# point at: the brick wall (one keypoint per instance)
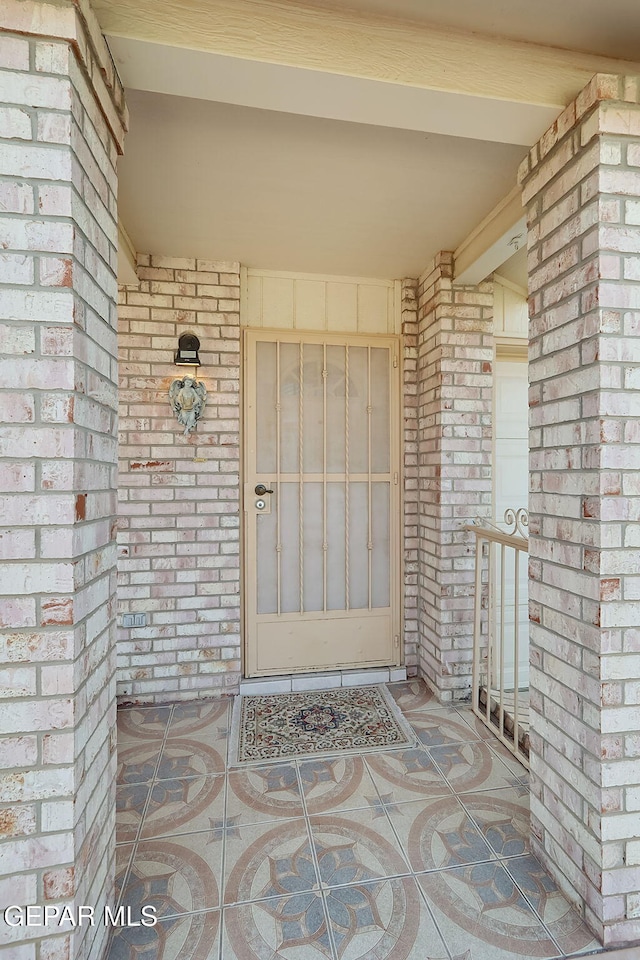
(178, 527)
(410, 458)
(58, 237)
(582, 192)
(455, 355)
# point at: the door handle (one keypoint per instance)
(261, 490)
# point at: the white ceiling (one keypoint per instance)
(280, 167)
(286, 192)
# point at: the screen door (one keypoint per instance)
(321, 502)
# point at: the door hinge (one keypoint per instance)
(395, 479)
(395, 361)
(396, 641)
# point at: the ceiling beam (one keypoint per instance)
(494, 240)
(373, 48)
(157, 68)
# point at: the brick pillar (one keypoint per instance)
(179, 512)
(410, 453)
(455, 354)
(58, 240)
(581, 188)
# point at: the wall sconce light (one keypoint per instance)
(187, 353)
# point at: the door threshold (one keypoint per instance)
(329, 680)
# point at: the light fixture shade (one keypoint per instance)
(187, 353)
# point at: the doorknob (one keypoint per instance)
(261, 490)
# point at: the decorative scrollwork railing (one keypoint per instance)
(519, 520)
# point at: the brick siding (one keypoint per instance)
(582, 192)
(59, 137)
(455, 356)
(410, 459)
(179, 521)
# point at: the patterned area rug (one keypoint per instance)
(316, 723)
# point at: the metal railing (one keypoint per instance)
(500, 691)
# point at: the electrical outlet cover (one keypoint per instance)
(130, 620)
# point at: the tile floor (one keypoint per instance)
(418, 853)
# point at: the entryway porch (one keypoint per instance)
(368, 199)
(413, 852)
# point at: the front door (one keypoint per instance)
(321, 502)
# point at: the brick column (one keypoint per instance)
(455, 354)
(61, 126)
(410, 454)
(179, 512)
(581, 188)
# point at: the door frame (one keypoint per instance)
(506, 350)
(509, 349)
(396, 516)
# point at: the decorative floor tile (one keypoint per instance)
(201, 718)
(503, 818)
(294, 928)
(561, 920)
(313, 858)
(473, 766)
(406, 775)
(267, 860)
(412, 695)
(318, 722)
(355, 847)
(482, 732)
(195, 937)
(142, 723)
(175, 875)
(137, 761)
(184, 806)
(131, 799)
(438, 834)
(337, 784)
(435, 728)
(382, 920)
(256, 794)
(123, 859)
(479, 909)
(519, 771)
(191, 757)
